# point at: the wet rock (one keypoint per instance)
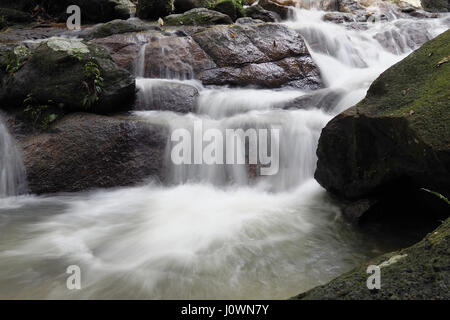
(231, 8)
(114, 27)
(407, 36)
(420, 272)
(56, 72)
(282, 11)
(338, 17)
(198, 17)
(176, 57)
(85, 151)
(324, 99)
(396, 139)
(248, 21)
(165, 56)
(153, 9)
(258, 12)
(267, 55)
(166, 96)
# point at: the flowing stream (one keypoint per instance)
(211, 232)
(12, 171)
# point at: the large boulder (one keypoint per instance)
(71, 74)
(397, 138)
(154, 9)
(197, 17)
(265, 55)
(436, 5)
(420, 272)
(85, 151)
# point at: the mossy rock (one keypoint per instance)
(417, 273)
(436, 5)
(232, 8)
(58, 72)
(198, 17)
(398, 137)
(114, 27)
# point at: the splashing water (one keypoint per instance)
(12, 172)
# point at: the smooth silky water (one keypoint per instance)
(210, 232)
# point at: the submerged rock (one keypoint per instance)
(416, 273)
(397, 138)
(71, 74)
(86, 151)
(198, 17)
(166, 96)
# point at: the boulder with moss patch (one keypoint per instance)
(397, 138)
(436, 5)
(198, 17)
(114, 27)
(72, 74)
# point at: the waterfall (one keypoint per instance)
(212, 231)
(12, 171)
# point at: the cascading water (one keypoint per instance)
(12, 172)
(213, 232)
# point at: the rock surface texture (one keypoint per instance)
(398, 136)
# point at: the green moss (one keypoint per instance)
(417, 88)
(199, 16)
(232, 8)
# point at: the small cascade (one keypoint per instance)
(248, 110)
(12, 170)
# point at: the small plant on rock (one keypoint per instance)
(93, 83)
